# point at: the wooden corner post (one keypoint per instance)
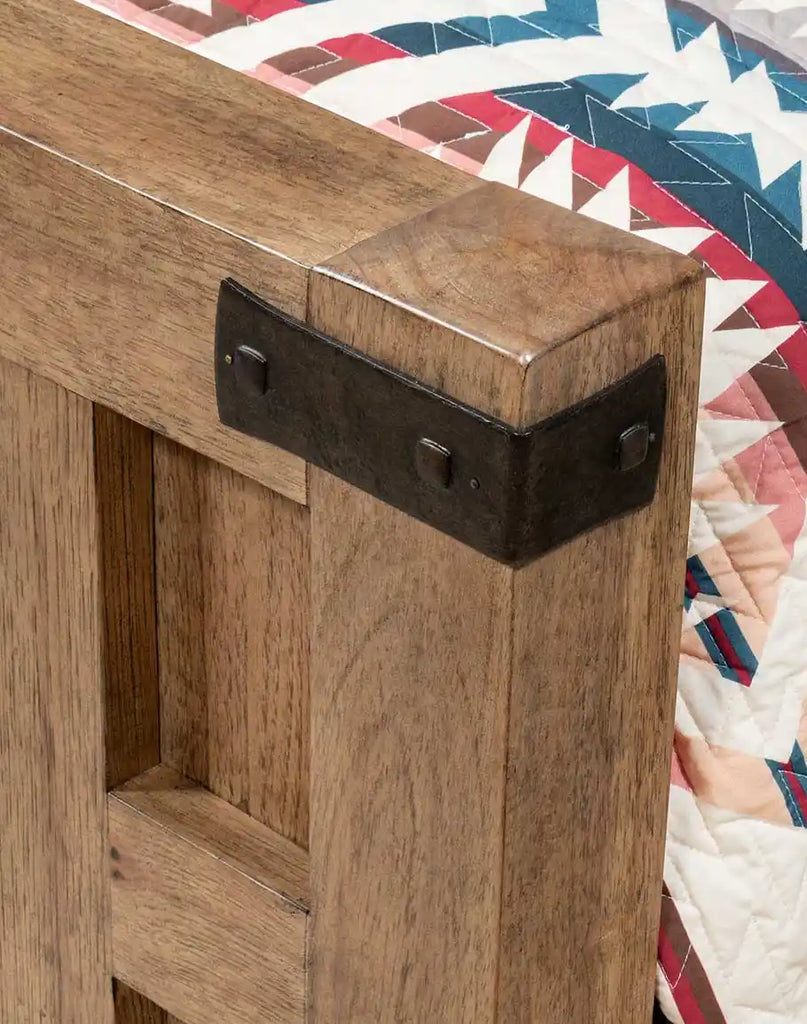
(490, 744)
(479, 603)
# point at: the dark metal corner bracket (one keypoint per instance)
(511, 494)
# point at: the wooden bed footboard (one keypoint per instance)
(359, 710)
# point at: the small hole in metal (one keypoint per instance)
(474, 483)
(651, 438)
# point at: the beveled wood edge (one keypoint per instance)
(498, 293)
(534, 379)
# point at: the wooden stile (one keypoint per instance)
(448, 801)
(54, 951)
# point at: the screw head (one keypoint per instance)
(251, 371)
(228, 359)
(433, 463)
(633, 447)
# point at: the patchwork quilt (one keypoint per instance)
(686, 123)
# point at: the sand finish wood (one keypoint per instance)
(300, 182)
(233, 572)
(208, 906)
(130, 289)
(54, 954)
(455, 874)
(127, 264)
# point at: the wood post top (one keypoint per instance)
(503, 280)
(511, 271)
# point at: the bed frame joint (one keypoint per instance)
(511, 493)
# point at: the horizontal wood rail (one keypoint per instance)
(246, 180)
(486, 749)
(129, 287)
(209, 907)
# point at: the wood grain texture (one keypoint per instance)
(596, 626)
(114, 297)
(201, 925)
(125, 503)
(177, 803)
(233, 611)
(203, 138)
(410, 652)
(490, 295)
(132, 1008)
(54, 956)
(440, 678)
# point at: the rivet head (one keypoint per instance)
(433, 463)
(633, 446)
(250, 370)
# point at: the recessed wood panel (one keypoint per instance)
(132, 1008)
(123, 475)
(232, 605)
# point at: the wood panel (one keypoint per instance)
(233, 610)
(200, 137)
(125, 503)
(490, 747)
(207, 919)
(114, 297)
(54, 962)
(132, 1008)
